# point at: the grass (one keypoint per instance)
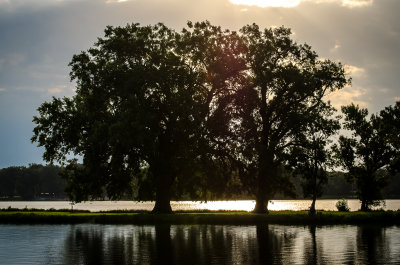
(34, 216)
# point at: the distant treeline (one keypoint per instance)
(338, 187)
(31, 183)
(38, 182)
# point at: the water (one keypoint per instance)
(245, 205)
(198, 244)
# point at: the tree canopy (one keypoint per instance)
(145, 99)
(312, 157)
(282, 94)
(159, 112)
(365, 154)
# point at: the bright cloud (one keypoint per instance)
(357, 3)
(292, 3)
(335, 48)
(347, 3)
(116, 1)
(267, 3)
(347, 96)
(58, 89)
(355, 71)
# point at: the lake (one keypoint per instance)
(244, 205)
(198, 244)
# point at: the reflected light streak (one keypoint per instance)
(267, 3)
(228, 205)
(243, 205)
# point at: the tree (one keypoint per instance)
(281, 93)
(391, 127)
(312, 156)
(365, 154)
(29, 182)
(144, 100)
(8, 179)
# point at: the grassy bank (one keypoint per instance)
(205, 217)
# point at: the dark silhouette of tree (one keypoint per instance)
(281, 93)
(145, 101)
(312, 156)
(365, 154)
(391, 127)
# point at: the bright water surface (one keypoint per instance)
(245, 205)
(198, 244)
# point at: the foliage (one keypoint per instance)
(148, 112)
(312, 156)
(391, 128)
(280, 95)
(342, 206)
(365, 154)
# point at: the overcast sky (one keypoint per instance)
(39, 37)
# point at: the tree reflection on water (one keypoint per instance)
(217, 244)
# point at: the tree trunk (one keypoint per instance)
(364, 206)
(261, 205)
(312, 207)
(264, 160)
(163, 195)
(264, 176)
(261, 196)
(162, 205)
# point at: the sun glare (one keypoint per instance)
(267, 3)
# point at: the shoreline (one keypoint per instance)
(35, 216)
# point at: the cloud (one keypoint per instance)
(60, 90)
(347, 96)
(293, 3)
(335, 48)
(2, 89)
(267, 3)
(116, 1)
(346, 3)
(12, 60)
(357, 3)
(15, 59)
(355, 71)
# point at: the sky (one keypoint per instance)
(39, 37)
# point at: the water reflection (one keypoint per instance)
(210, 244)
(198, 244)
(202, 244)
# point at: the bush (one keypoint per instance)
(342, 206)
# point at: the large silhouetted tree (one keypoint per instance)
(365, 154)
(148, 103)
(165, 111)
(281, 94)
